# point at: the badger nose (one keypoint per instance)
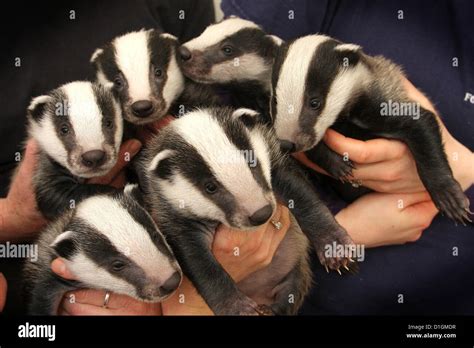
(171, 284)
(184, 53)
(287, 146)
(142, 108)
(93, 159)
(261, 216)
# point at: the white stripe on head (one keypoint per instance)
(226, 161)
(215, 33)
(184, 195)
(340, 91)
(175, 81)
(128, 236)
(89, 273)
(133, 59)
(84, 114)
(291, 84)
(249, 66)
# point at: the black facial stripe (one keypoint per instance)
(322, 71)
(60, 116)
(142, 217)
(104, 100)
(279, 60)
(248, 40)
(193, 167)
(161, 50)
(238, 136)
(102, 252)
(107, 62)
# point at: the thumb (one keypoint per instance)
(59, 267)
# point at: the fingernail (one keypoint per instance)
(2, 276)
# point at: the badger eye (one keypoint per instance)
(158, 72)
(211, 187)
(315, 104)
(109, 124)
(118, 83)
(118, 265)
(64, 129)
(228, 50)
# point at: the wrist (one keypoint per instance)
(186, 301)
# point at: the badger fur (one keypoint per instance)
(194, 176)
(235, 54)
(108, 242)
(78, 127)
(336, 85)
(142, 70)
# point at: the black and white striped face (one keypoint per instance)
(113, 244)
(80, 126)
(314, 78)
(210, 165)
(142, 70)
(231, 50)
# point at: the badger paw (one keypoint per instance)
(452, 202)
(337, 252)
(240, 306)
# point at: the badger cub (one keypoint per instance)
(108, 242)
(220, 165)
(338, 85)
(142, 70)
(235, 54)
(78, 127)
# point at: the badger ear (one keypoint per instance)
(349, 54)
(248, 117)
(64, 245)
(160, 158)
(97, 53)
(276, 40)
(133, 191)
(37, 107)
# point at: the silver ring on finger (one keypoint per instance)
(106, 300)
(277, 224)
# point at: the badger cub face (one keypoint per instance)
(314, 78)
(142, 70)
(231, 50)
(79, 125)
(210, 166)
(112, 243)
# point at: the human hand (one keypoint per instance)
(3, 291)
(385, 165)
(146, 132)
(240, 253)
(378, 219)
(20, 218)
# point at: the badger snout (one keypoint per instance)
(142, 108)
(154, 292)
(184, 53)
(261, 216)
(93, 159)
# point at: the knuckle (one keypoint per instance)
(364, 154)
(415, 236)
